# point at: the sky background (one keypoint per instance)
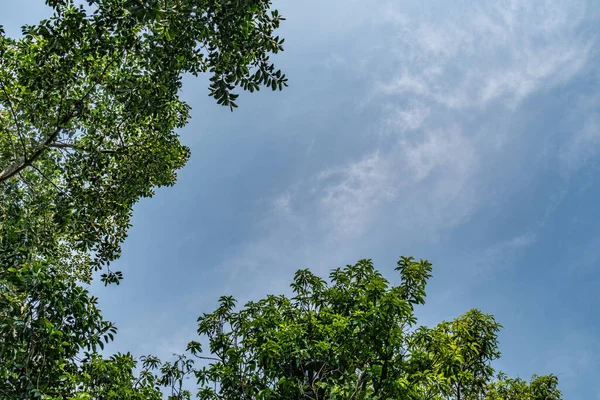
(466, 133)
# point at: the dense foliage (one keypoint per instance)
(90, 107)
(89, 112)
(355, 337)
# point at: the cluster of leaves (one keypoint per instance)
(117, 377)
(89, 108)
(540, 387)
(50, 332)
(89, 113)
(45, 320)
(353, 338)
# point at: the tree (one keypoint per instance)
(90, 107)
(50, 331)
(353, 338)
(116, 378)
(89, 113)
(45, 321)
(539, 388)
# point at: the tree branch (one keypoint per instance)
(62, 145)
(49, 180)
(14, 115)
(207, 358)
(15, 168)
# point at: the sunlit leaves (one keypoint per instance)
(90, 108)
(89, 119)
(45, 321)
(353, 337)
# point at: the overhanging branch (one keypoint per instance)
(17, 167)
(23, 163)
(73, 146)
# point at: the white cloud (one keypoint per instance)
(478, 54)
(348, 194)
(281, 203)
(406, 119)
(435, 168)
(424, 180)
(441, 149)
(502, 256)
(334, 61)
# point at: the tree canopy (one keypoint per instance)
(89, 119)
(354, 337)
(90, 107)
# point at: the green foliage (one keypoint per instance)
(461, 351)
(115, 378)
(90, 107)
(50, 332)
(539, 388)
(45, 321)
(89, 113)
(353, 338)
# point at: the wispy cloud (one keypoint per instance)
(424, 182)
(501, 256)
(406, 119)
(347, 195)
(478, 54)
(433, 75)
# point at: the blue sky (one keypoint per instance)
(466, 133)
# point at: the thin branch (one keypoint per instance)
(15, 169)
(49, 180)
(29, 185)
(207, 358)
(72, 146)
(14, 115)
